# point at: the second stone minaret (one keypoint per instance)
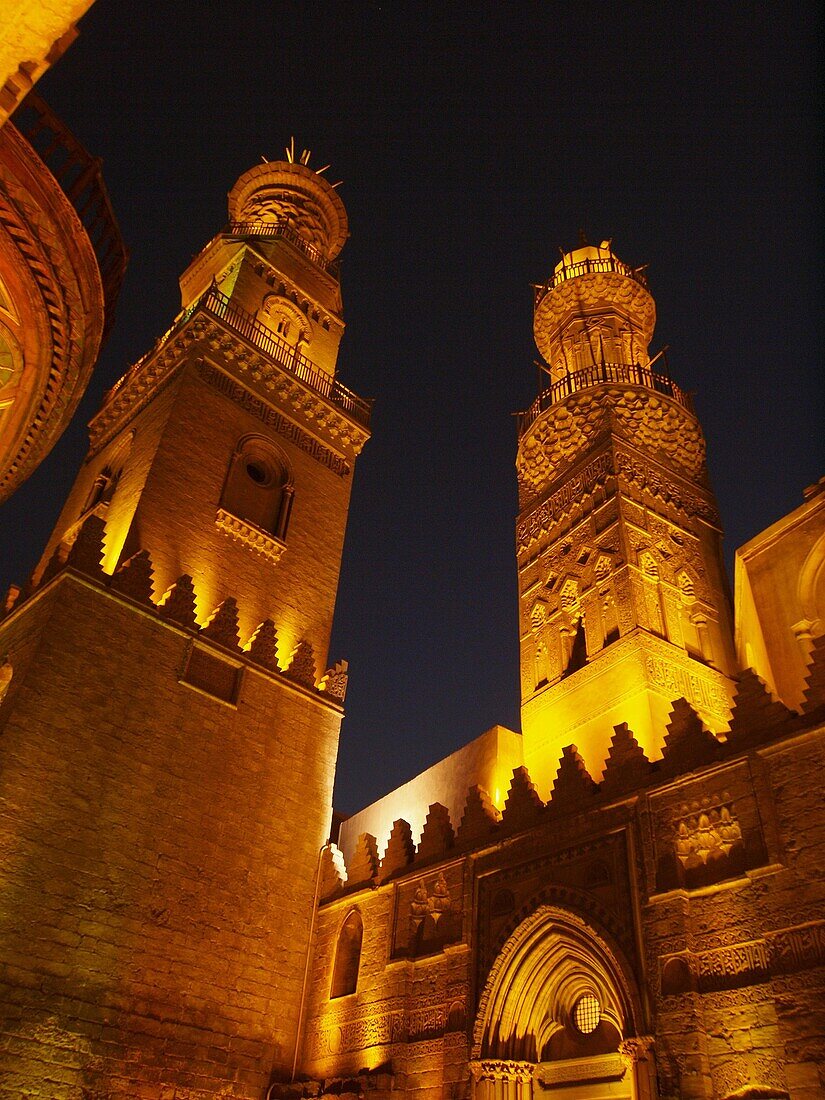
(623, 600)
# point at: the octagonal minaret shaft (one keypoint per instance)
(623, 599)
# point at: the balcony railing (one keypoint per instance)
(590, 267)
(284, 354)
(605, 373)
(283, 228)
(80, 177)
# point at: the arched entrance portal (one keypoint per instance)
(559, 1018)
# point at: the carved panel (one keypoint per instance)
(559, 504)
(210, 673)
(748, 963)
(707, 830)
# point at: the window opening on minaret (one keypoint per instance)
(347, 956)
(259, 488)
(578, 650)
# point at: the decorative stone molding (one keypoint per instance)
(786, 951)
(335, 680)
(635, 1049)
(498, 1069)
(249, 535)
(650, 421)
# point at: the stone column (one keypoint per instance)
(637, 1055)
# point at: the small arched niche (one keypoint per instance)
(258, 487)
(347, 956)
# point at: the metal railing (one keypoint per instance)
(80, 177)
(287, 356)
(590, 267)
(283, 228)
(604, 374)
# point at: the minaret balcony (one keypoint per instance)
(284, 229)
(591, 266)
(285, 355)
(631, 374)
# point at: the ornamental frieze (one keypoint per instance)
(379, 1030)
(151, 372)
(273, 419)
(702, 691)
(643, 476)
(384, 1024)
(749, 963)
(559, 504)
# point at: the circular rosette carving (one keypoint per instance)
(563, 433)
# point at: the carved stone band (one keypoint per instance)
(249, 535)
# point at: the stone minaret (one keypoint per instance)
(168, 734)
(623, 598)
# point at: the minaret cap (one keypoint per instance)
(281, 190)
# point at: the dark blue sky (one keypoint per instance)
(473, 141)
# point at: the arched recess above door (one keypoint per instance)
(552, 960)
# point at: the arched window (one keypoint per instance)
(286, 320)
(108, 476)
(259, 487)
(347, 956)
(103, 488)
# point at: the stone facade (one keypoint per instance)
(625, 902)
(644, 917)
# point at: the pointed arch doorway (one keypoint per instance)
(559, 1018)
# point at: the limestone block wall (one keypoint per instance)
(409, 1011)
(159, 848)
(700, 875)
(488, 761)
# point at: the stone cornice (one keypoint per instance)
(255, 380)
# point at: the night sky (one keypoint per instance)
(473, 141)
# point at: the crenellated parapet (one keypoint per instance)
(689, 748)
(218, 632)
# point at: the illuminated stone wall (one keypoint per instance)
(488, 761)
(159, 851)
(692, 892)
(780, 596)
(169, 731)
